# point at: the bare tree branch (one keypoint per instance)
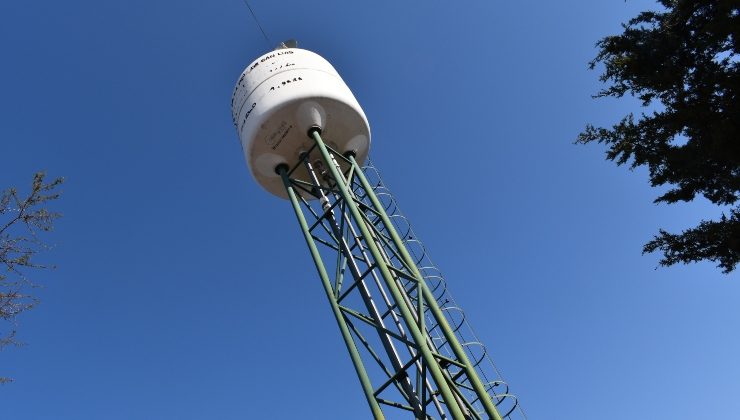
(25, 219)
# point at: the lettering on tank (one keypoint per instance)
(282, 137)
(254, 104)
(241, 83)
(276, 137)
(286, 82)
(282, 66)
(268, 57)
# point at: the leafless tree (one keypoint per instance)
(23, 220)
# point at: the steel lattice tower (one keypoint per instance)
(305, 139)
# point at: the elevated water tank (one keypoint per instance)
(278, 98)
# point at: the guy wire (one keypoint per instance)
(269, 42)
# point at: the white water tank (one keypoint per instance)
(278, 98)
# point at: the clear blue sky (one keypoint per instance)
(183, 291)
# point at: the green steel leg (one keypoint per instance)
(354, 354)
(429, 297)
(385, 339)
(419, 338)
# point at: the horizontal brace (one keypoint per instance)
(389, 310)
(448, 360)
(433, 395)
(337, 154)
(403, 274)
(394, 404)
(385, 241)
(355, 244)
(325, 215)
(457, 375)
(300, 161)
(332, 246)
(308, 207)
(469, 388)
(360, 316)
(299, 183)
(311, 192)
(356, 282)
(400, 374)
(364, 206)
(370, 350)
(372, 323)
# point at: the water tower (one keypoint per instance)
(306, 139)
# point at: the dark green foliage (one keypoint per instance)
(715, 241)
(22, 219)
(683, 63)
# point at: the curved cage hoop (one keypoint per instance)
(495, 386)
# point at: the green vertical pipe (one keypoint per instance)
(354, 354)
(480, 390)
(419, 337)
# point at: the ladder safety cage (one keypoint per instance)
(410, 344)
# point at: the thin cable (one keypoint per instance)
(269, 42)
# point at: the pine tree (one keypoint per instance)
(683, 63)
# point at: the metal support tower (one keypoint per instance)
(392, 324)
